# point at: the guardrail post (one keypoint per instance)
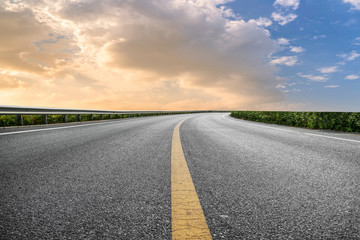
(79, 118)
(101, 117)
(20, 120)
(64, 118)
(44, 118)
(91, 117)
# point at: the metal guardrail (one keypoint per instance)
(14, 110)
(20, 111)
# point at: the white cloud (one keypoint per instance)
(291, 84)
(283, 19)
(297, 49)
(354, 3)
(314, 78)
(285, 60)
(352, 77)
(328, 69)
(283, 41)
(319, 36)
(261, 22)
(331, 86)
(294, 4)
(357, 41)
(351, 21)
(350, 56)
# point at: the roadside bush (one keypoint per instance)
(8, 120)
(339, 121)
(11, 120)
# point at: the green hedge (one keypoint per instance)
(11, 120)
(339, 121)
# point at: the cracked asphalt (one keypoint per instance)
(112, 180)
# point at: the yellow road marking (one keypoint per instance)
(188, 220)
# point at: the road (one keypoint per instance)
(112, 179)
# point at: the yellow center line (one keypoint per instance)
(188, 220)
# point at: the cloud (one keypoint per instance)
(7, 81)
(223, 55)
(282, 18)
(115, 54)
(314, 78)
(328, 69)
(331, 86)
(294, 4)
(349, 56)
(283, 41)
(352, 77)
(357, 41)
(297, 49)
(19, 30)
(285, 60)
(351, 21)
(354, 3)
(319, 36)
(262, 22)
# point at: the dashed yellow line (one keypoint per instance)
(188, 220)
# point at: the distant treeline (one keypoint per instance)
(339, 121)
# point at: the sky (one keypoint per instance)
(292, 55)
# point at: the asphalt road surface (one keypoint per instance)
(111, 179)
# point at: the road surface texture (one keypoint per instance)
(112, 179)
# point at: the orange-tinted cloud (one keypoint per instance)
(173, 54)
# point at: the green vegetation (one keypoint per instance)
(339, 121)
(8, 120)
(11, 120)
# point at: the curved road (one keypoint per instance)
(111, 179)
